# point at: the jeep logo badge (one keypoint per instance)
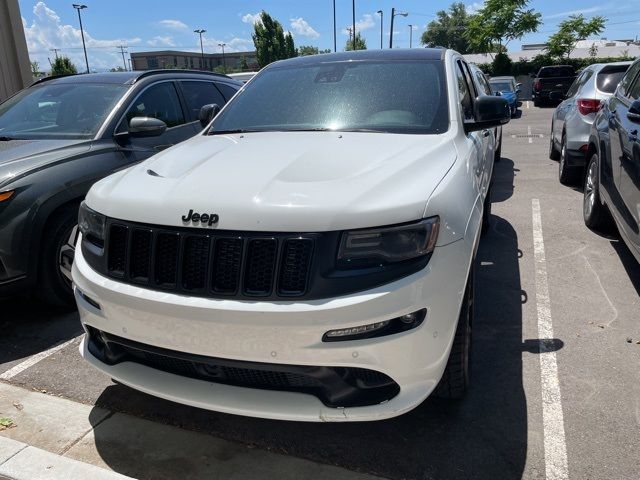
(205, 219)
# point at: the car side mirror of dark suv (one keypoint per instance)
(634, 112)
(208, 113)
(489, 112)
(146, 127)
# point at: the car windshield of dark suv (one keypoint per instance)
(366, 96)
(62, 111)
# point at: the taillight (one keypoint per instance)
(588, 105)
(537, 85)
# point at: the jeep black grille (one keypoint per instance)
(209, 263)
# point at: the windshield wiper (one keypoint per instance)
(229, 132)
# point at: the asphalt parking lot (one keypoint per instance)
(539, 407)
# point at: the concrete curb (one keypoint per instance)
(19, 461)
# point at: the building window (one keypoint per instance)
(152, 62)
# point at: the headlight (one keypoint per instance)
(91, 225)
(386, 245)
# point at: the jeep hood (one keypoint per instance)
(20, 156)
(282, 181)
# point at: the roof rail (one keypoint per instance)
(53, 77)
(148, 73)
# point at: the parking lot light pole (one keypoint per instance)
(78, 7)
(394, 15)
(224, 60)
(381, 13)
(410, 35)
(335, 46)
(200, 31)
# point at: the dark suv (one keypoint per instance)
(612, 183)
(61, 135)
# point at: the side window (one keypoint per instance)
(197, 94)
(159, 101)
(464, 93)
(628, 78)
(633, 92)
(482, 82)
(227, 90)
(573, 89)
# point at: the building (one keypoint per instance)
(15, 69)
(231, 61)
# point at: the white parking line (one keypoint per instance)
(31, 361)
(527, 104)
(555, 448)
(529, 133)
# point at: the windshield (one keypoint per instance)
(552, 72)
(373, 96)
(501, 87)
(63, 111)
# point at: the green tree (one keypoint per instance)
(570, 31)
(117, 69)
(501, 64)
(35, 68)
(244, 65)
(360, 43)
(499, 22)
(63, 66)
(447, 30)
(307, 50)
(270, 41)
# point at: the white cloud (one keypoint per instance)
(251, 18)
(160, 41)
(581, 11)
(46, 31)
(236, 44)
(301, 27)
(366, 22)
(173, 24)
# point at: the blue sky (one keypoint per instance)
(163, 24)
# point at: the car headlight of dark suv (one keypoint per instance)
(91, 225)
(374, 247)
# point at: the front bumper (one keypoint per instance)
(285, 333)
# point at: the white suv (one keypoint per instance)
(309, 256)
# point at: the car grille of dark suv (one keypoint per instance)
(209, 263)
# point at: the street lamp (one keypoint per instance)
(410, 35)
(335, 47)
(394, 15)
(200, 31)
(79, 7)
(224, 60)
(353, 11)
(381, 13)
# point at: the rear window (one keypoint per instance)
(608, 80)
(550, 72)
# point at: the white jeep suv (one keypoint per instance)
(309, 256)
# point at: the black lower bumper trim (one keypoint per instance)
(333, 386)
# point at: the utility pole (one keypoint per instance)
(381, 13)
(350, 35)
(200, 31)
(78, 7)
(410, 35)
(394, 15)
(124, 62)
(353, 11)
(224, 60)
(335, 46)
(55, 50)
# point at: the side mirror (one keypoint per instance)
(207, 113)
(489, 112)
(634, 112)
(146, 127)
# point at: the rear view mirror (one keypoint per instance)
(489, 112)
(146, 127)
(634, 112)
(207, 113)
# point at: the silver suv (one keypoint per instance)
(572, 119)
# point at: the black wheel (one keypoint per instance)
(596, 214)
(498, 153)
(486, 212)
(455, 379)
(554, 153)
(56, 258)
(566, 174)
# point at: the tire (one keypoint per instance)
(536, 103)
(595, 213)
(498, 153)
(486, 212)
(566, 174)
(554, 153)
(455, 380)
(58, 246)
